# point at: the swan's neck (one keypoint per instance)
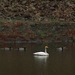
(45, 50)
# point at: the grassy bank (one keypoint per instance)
(44, 31)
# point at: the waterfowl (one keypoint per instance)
(21, 48)
(7, 48)
(42, 53)
(61, 48)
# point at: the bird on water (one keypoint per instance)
(42, 53)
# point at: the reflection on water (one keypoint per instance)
(16, 62)
(41, 64)
(41, 59)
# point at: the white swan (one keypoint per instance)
(42, 53)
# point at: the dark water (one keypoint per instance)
(25, 63)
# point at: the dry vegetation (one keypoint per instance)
(34, 20)
(38, 9)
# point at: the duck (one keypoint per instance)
(42, 53)
(22, 48)
(61, 48)
(7, 48)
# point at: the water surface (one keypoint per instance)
(59, 62)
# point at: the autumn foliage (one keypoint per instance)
(22, 32)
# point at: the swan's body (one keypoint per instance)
(42, 53)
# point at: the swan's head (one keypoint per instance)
(46, 46)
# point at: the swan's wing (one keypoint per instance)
(39, 53)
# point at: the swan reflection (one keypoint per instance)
(41, 65)
(41, 59)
